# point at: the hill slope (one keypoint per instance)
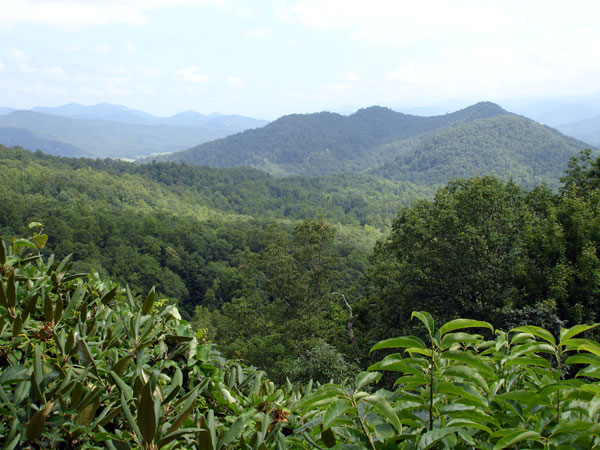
(480, 139)
(321, 143)
(505, 145)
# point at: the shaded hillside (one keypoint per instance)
(587, 130)
(507, 146)
(321, 143)
(104, 138)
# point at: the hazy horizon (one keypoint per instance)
(267, 59)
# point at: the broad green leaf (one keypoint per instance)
(147, 418)
(130, 419)
(531, 360)
(38, 421)
(186, 410)
(148, 302)
(40, 240)
(427, 320)
(334, 410)
(399, 342)
(106, 298)
(19, 244)
(470, 359)
(124, 387)
(384, 408)
(13, 373)
(460, 338)
(467, 373)
(568, 333)
(594, 406)
(536, 331)
(232, 432)
(518, 435)
(328, 437)
(532, 347)
(459, 324)
(432, 437)
(592, 348)
(365, 378)
(87, 413)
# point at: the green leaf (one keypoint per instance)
(536, 331)
(432, 437)
(186, 410)
(592, 348)
(458, 324)
(106, 298)
(147, 418)
(147, 306)
(334, 410)
(87, 414)
(365, 378)
(2, 253)
(38, 422)
(232, 432)
(594, 406)
(384, 408)
(121, 366)
(426, 318)
(568, 333)
(124, 387)
(518, 435)
(129, 416)
(19, 244)
(399, 342)
(328, 437)
(13, 373)
(40, 240)
(467, 373)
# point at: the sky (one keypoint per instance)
(267, 58)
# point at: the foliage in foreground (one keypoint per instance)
(83, 364)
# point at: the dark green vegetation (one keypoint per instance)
(291, 284)
(84, 364)
(481, 139)
(102, 138)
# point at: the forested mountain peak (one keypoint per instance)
(482, 138)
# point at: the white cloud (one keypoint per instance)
(78, 14)
(103, 48)
(1, 66)
(257, 33)
(193, 74)
(235, 82)
(17, 55)
(147, 71)
(130, 48)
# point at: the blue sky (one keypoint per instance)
(266, 58)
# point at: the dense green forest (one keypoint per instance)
(479, 140)
(86, 364)
(285, 273)
(310, 282)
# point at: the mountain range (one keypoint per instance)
(480, 139)
(106, 130)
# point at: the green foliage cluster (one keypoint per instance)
(84, 364)
(495, 252)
